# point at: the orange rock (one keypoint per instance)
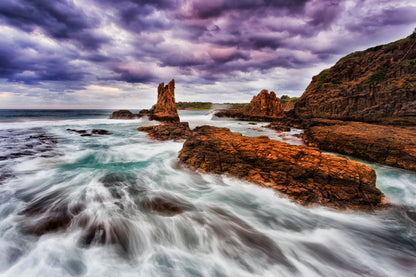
(303, 174)
(395, 146)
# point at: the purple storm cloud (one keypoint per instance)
(112, 54)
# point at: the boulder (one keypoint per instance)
(394, 146)
(302, 173)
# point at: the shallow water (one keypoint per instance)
(119, 205)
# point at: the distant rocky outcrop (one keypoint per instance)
(377, 85)
(168, 131)
(123, 114)
(395, 146)
(300, 172)
(263, 107)
(164, 110)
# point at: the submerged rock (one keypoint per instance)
(168, 131)
(263, 107)
(300, 172)
(89, 133)
(394, 146)
(163, 206)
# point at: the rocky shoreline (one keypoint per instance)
(324, 111)
(302, 173)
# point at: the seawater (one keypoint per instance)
(91, 194)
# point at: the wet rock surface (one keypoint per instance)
(162, 206)
(17, 144)
(88, 133)
(263, 107)
(394, 146)
(300, 172)
(168, 131)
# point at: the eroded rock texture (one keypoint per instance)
(376, 85)
(300, 172)
(168, 131)
(164, 110)
(263, 107)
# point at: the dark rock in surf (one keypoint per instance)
(162, 206)
(123, 114)
(89, 133)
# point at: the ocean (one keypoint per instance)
(75, 204)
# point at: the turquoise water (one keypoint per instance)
(74, 205)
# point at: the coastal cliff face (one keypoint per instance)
(376, 85)
(263, 107)
(302, 173)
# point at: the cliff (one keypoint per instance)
(376, 85)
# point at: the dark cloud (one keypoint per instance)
(59, 19)
(195, 41)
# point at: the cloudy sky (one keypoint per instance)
(112, 54)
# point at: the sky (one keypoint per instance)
(113, 54)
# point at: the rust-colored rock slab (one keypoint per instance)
(300, 172)
(168, 131)
(394, 146)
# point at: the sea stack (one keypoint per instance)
(165, 108)
(263, 107)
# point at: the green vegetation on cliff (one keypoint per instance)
(193, 105)
(374, 85)
(209, 106)
(288, 99)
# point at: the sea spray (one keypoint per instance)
(120, 205)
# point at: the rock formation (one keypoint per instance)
(395, 146)
(376, 85)
(164, 109)
(300, 172)
(263, 107)
(123, 114)
(168, 131)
